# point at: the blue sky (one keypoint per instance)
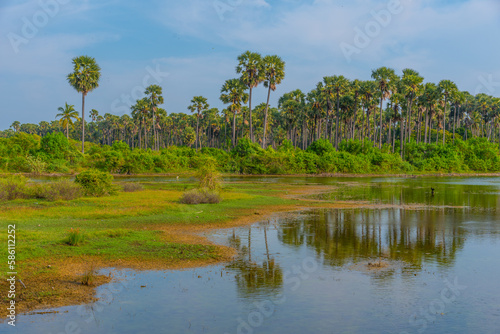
(190, 47)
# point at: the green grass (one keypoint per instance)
(126, 225)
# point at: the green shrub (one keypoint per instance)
(55, 145)
(320, 147)
(96, 183)
(208, 176)
(245, 148)
(36, 165)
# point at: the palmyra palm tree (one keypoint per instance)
(274, 73)
(84, 79)
(198, 105)
(155, 99)
(384, 77)
(447, 88)
(251, 69)
(233, 93)
(67, 114)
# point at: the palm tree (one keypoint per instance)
(411, 88)
(198, 105)
(384, 77)
(155, 99)
(367, 91)
(448, 88)
(84, 79)
(458, 101)
(274, 73)
(251, 69)
(67, 114)
(16, 125)
(337, 85)
(233, 93)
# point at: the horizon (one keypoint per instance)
(189, 48)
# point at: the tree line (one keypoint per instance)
(389, 110)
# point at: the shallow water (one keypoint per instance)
(309, 272)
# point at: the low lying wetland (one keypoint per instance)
(315, 251)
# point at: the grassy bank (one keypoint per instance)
(148, 229)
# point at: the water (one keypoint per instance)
(316, 271)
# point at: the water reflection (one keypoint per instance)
(341, 237)
(252, 278)
(433, 192)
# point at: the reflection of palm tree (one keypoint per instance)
(341, 237)
(252, 278)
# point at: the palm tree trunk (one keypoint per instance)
(380, 132)
(337, 123)
(401, 137)
(234, 129)
(250, 114)
(425, 128)
(444, 120)
(454, 122)
(265, 119)
(197, 131)
(83, 122)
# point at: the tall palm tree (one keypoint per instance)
(233, 93)
(274, 73)
(411, 86)
(367, 91)
(384, 77)
(155, 99)
(447, 88)
(67, 114)
(84, 79)
(251, 69)
(336, 85)
(458, 100)
(198, 105)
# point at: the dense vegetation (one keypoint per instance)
(390, 124)
(54, 153)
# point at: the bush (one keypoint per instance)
(14, 187)
(200, 196)
(132, 187)
(96, 183)
(208, 176)
(60, 190)
(36, 165)
(320, 147)
(245, 148)
(55, 145)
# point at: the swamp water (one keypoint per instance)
(420, 263)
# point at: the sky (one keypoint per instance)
(190, 47)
